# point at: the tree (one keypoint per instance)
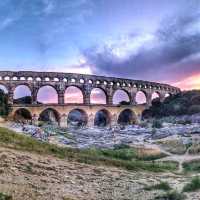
(4, 106)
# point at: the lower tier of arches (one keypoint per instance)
(82, 115)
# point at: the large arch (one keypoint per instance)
(22, 115)
(47, 94)
(22, 95)
(102, 118)
(73, 94)
(77, 118)
(127, 117)
(50, 116)
(98, 96)
(4, 88)
(121, 97)
(140, 97)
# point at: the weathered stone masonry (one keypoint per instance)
(61, 81)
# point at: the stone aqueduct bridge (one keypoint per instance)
(61, 81)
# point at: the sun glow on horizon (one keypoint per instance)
(189, 83)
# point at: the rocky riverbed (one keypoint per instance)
(109, 137)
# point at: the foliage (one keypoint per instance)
(194, 185)
(123, 158)
(173, 195)
(193, 166)
(184, 103)
(157, 124)
(4, 106)
(5, 197)
(160, 186)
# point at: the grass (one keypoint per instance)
(123, 158)
(194, 185)
(160, 186)
(193, 166)
(5, 197)
(171, 195)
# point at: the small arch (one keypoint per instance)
(56, 79)
(77, 118)
(50, 116)
(155, 95)
(102, 118)
(14, 78)
(22, 95)
(82, 80)
(140, 97)
(29, 78)
(64, 79)
(98, 82)
(73, 94)
(90, 81)
(73, 80)
(38, 79)
(22, 78)
(4, 88)
(47, 79)
(7, 78)
(126, 117)
(121, 96)
(98, 96)
(105, 83)
(22, 115)
(47, 94)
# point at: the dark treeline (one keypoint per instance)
(184, 103)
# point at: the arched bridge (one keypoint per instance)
(86, 84)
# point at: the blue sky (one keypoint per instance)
(126, 38)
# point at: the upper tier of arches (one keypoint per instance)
(64, 88)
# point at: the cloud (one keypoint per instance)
(171, 52)
(7, 22)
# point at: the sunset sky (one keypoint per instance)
(157, 40)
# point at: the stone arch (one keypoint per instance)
(155, 95)
(22, 94)
(77, 118)
(22, 115)
(49, 115)
(73, 94)
(121, 97)
(102, 118)
(98, 96)
(51, 95)
(141, 97)
(127, 117)
(4, 88)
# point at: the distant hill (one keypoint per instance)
(25, 100)
(184, 103)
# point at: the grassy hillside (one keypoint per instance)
(184, 103)
(124, 157)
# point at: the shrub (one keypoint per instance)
(160, 186)
(174, 195)
(193, 166)
(5, 197)
(157, 124)
(194, 185)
